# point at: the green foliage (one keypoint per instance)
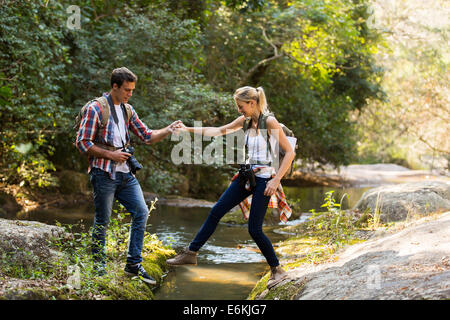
(32, 62)
(314, 59)
(335, 222)
(189, 58)
(76, 251)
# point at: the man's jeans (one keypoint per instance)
(231, 198)
(126, 189)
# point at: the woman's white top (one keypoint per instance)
(259, 153)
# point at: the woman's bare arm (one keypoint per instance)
(217, 131)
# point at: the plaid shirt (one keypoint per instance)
(277, 200)
(87, 133)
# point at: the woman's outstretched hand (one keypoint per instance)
(175, 126)
(272, 186)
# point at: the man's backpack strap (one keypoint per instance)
(129, 111)
(105, 110)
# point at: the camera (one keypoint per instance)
(246, 174)
(132, 162)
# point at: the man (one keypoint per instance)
(109, 169)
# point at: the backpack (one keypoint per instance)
(262, 124)
(103, 101)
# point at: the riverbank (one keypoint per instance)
(367, 175)
(402, 252)
(75, 192)
(42, 262)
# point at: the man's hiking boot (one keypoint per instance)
(185, 257)
(138, 270)
(277, 274)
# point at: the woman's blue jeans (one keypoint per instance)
(126, 189)
(234, 194)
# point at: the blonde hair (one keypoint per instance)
(247, 93)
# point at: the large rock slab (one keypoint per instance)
(413, 263)
(396, 202)
(25, 243)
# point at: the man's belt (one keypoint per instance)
(108, 147)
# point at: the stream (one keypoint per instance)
(229, 265)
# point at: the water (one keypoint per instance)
(229, 265)
(313, 197)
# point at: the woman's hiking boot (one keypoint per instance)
(277, 274)
(185, 257)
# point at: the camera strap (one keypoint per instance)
(255, 147)
(115, 117)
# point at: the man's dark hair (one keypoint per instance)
(120, 75)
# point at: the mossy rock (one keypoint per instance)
(8, 203)
(73, 182)
(285, 290)
(234, 217)
(118, 286)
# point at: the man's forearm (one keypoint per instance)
(158, 135)
(99, 152)
(116, 156)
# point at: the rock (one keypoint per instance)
(376, 167)
(177, 201)
(182, 186)
(413, 263)
(396, 202)
(8, 204)
(27, 243)
(362, 175)
(27, 289)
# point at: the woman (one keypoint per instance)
(251, 103)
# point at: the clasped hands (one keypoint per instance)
(176, 126)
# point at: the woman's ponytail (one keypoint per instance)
(262, 101)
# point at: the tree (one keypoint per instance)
(314, 58)
(412, 126)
